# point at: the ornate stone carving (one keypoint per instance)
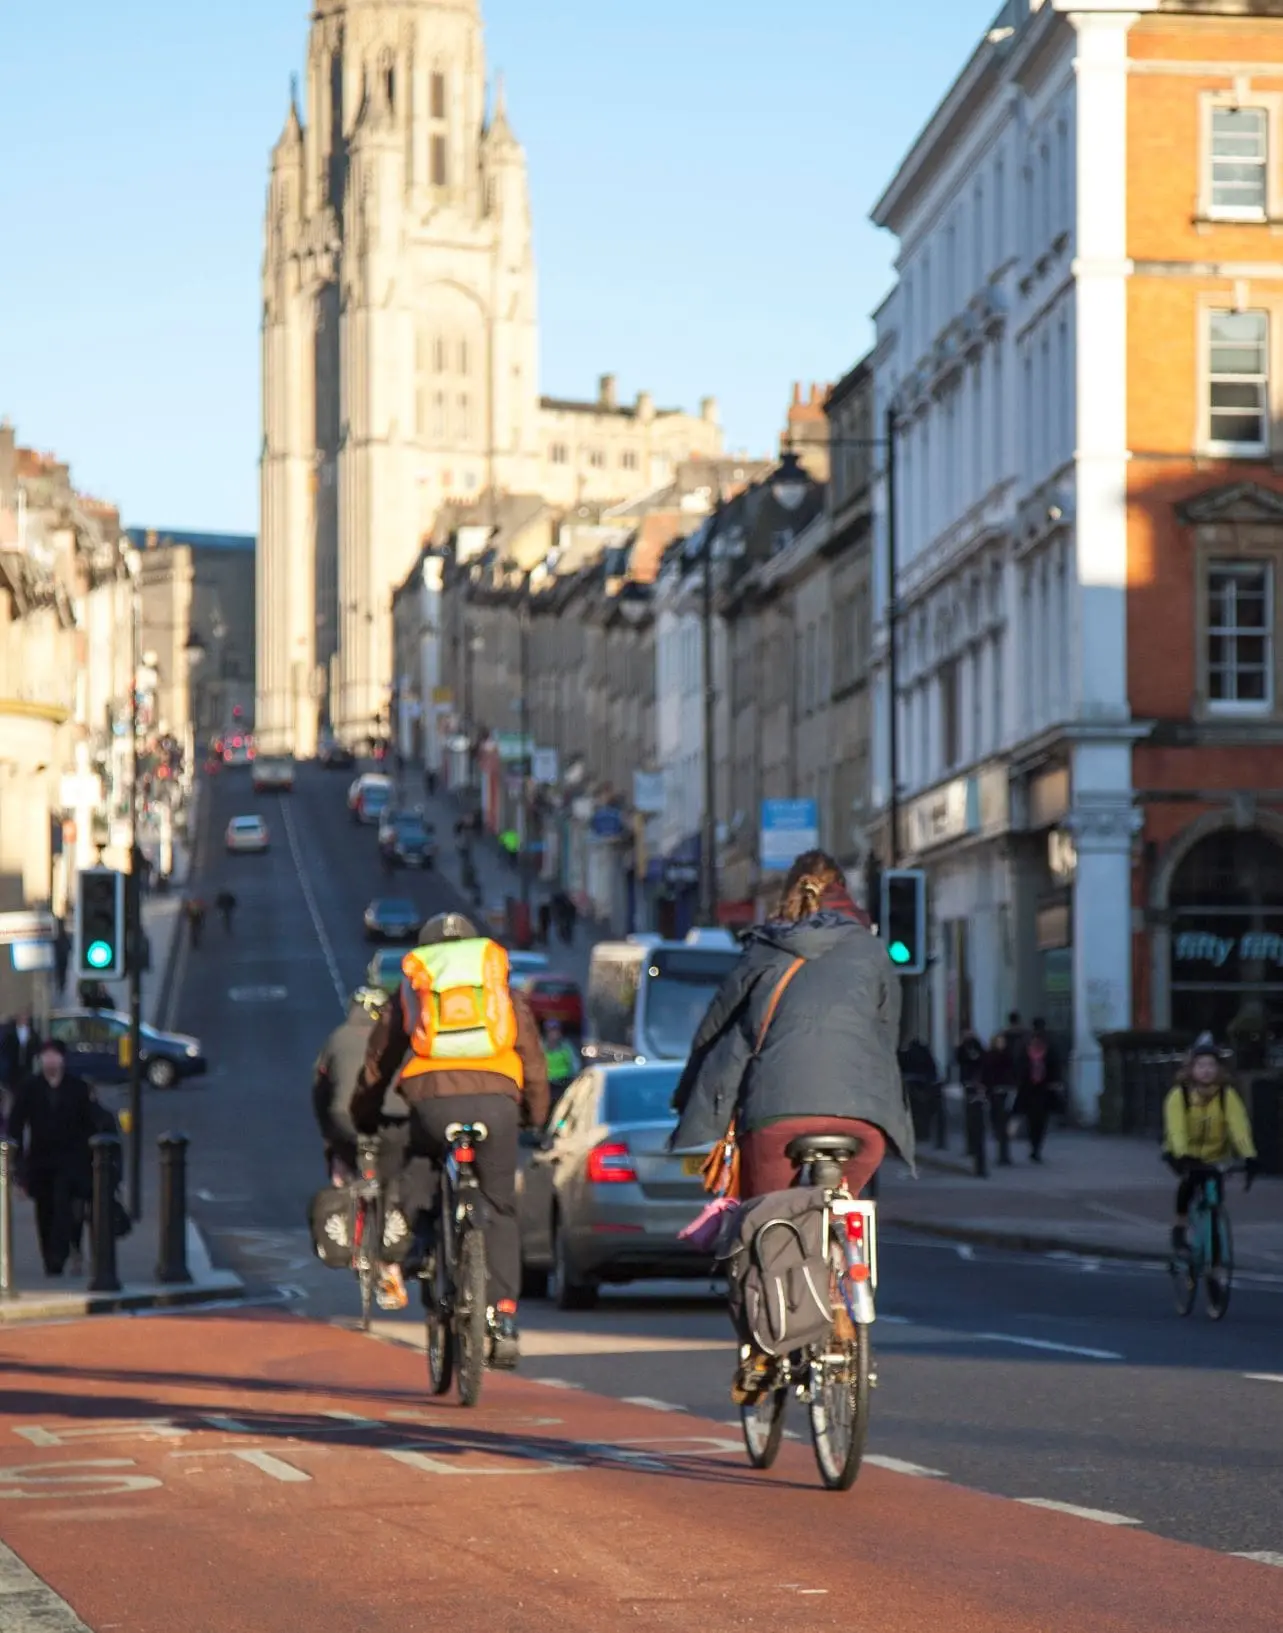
(1241, 502)
(1108, 824)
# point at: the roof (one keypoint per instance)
(622, 411)
(653, 536)
(160, 538)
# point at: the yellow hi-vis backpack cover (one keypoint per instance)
(459, 1011)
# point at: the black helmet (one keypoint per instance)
(448, 927)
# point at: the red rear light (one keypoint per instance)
(236, 742)
(855, 1228)
(611, 1164)
(464, 1154)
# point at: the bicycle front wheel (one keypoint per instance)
(366, 1258)
(1218, 1275)
(840, 1410)
(436, 1317)
(762, 1421)
(470, 1316)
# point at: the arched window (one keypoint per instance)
(1230, 869)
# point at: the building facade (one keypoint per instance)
(1039, 416)
(400, 352)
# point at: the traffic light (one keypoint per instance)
(902, 924)
(100, 925)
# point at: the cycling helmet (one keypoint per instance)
(373, 1000)
(448, 927)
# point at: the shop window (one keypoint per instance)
(1238, 383)
(1238, 162)
(1240, 637)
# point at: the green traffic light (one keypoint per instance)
(98, 956)
(898, 953)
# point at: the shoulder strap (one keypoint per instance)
(774, 1002)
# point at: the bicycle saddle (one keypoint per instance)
(476, 1132)
(806, 1147)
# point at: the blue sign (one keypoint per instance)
(789, 827)
(607, 822)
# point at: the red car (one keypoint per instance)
(555, 998)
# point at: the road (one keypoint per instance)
(1044, 1381)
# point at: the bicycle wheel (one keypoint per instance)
(1184, 1281)
(470, 1316)
(1218, 1275)
(762, 1421)
(840, 1409)
(367, 1268)
(436, 1318)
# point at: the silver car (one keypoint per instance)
(600, 1197)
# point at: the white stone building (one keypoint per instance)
(1001, 348)
(400, 351)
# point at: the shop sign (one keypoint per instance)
(648, 792)
(1211, 950)
(967, 806)
(543, 765)
(607, 822)
(789, 828)
(512, 746)
(1062, 856)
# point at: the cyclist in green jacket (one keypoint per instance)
(559, 1052)
(1204, 1122)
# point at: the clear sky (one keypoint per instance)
(701, 173)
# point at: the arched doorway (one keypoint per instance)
(1226, 941)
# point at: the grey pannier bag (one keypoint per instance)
(777, 1275)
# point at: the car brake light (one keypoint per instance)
(611, 1164)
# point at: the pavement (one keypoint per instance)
(44, 1298)
(258, 1473)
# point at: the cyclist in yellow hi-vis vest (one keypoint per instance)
(468, 1050)
(1204, 1122)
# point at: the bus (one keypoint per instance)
(646, 998)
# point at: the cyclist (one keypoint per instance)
(468, 1050)
(1205, 1122)
(801, 1038)
(334, 1078)
(560, 1055)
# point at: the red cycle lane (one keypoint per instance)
(254, 1473)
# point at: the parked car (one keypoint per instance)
(273, 774)
(93, 1039)
(384, 969)
(247, 835)
(555, 998)
(601, 1199)
(392, 918)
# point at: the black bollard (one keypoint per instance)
(102, 1226)
(942, 1119)
(8, 1152)
(171, 1266)
(977, 1106)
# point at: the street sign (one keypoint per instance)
(648, 792)
(789, 827)
(34, 925)
(543, 765)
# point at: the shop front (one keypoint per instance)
(1045, 865)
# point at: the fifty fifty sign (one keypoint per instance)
(1211, 955)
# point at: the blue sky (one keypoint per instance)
(701, 174)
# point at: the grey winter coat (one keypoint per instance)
(830, 1050)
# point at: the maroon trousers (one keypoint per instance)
(764, 1167)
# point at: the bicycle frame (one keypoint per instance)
(366, 1194)
(856, 1225)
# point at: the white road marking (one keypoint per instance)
(103, 1429)
(897, 1466)
(1046, 1344)
(556, 1383)
(275, 1466)
(314, 912)
(965, 1251)
(1265, 1377)
(651, 1405)
(1100, 1515)
(29, 1604)
(435, 1465)
(894, 1320)
(176, 985)
(1259, 1559)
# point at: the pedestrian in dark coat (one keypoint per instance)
(1040, 1086)
(51, 1124)
(19, 1050)
(801, 1038)
(1001, 1078)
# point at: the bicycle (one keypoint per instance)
(833, 1377)
(365, 1198)
(1209, 1251)
(455, 1273)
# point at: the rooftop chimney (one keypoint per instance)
(609, 396)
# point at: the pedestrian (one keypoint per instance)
(970, 1057)
(61, 959)
(1001, 1080)
(194, 908)
(225, 902)
(430, 781)
(1040, 1086)
(52, 1124)
(19, 1048)
(1017, 1038)
(545, 923)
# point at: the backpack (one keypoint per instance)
(460, 1005)
(777, 1274)
(1036, 1061)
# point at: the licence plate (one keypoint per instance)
(693, 1165)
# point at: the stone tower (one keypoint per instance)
(400, 343)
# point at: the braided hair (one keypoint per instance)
(811, 876)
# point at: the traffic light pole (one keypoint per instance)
(134, 931)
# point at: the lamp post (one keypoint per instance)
(134, 907)
(708, 838)
(527, 763)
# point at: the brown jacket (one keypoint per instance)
(390, 1043)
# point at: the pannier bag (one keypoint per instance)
(330, 1222)
(777, 1275)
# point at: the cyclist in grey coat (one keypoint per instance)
(801, 1038)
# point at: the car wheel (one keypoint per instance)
(161, 1073)
(564, 1287)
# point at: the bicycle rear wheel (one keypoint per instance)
(436, 1318)
(1184, 1282)
(1218, 1274)
(470, 1316)
(840, 1409)
(762, 1421)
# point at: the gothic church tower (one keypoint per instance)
(400, 343)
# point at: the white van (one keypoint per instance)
(645, 1003)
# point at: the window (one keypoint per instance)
(1238, 382)
(438, 96)
(439, 169)
(628, 459)
(950, 715)
(438, 416)
(596, 458)
(463, 357)
(558, 453)
(465, 417)
(1240, 636)
(1239, 157)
